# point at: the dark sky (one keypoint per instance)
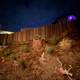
(16, 14)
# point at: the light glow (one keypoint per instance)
(6, 32)
(71, 18)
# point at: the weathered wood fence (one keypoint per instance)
(60, 28)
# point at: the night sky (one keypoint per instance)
(17, 14)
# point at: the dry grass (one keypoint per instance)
(28, 67)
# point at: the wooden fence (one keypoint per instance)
(60, 28)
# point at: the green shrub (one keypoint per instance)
(13, 56)
(53, 40)
(23, 64)
(24, 48)
(49, 49)
(7, 52)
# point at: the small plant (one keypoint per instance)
(23, 64)
(13, 57)
(7, 52)
(53, 40)
(65, 43)
(24, 48)
(49, 49)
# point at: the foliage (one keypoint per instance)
(49, 49)
(24, 48)
(23, 64)
(65, 43)
(7, 52)
(53, 40)
(13, 56)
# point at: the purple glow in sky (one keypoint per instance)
(71, 18)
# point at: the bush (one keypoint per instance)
(7, 52)
(53, 40)
(24, 48)
(65, 43)
(23, 64)
(49, 49)
(13, 57)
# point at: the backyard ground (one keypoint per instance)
(21, 62)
